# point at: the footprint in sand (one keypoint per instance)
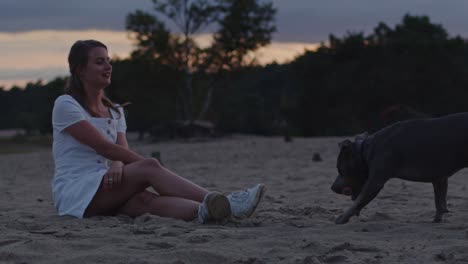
(158, 245)
(331, 255)
(349, 247)
(169, 234)
(199, 239)
(310, 260)
(379, 217)
(250, 261)
(143, 232)
(273, 199)
(334, 259)
(395, 198)
(7, 242)
(455, 227)
(443, 256)
(295, 178)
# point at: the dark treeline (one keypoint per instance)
(30, 107)
(353, 83)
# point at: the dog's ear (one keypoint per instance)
(345, 143)
(346, 149)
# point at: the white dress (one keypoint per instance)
(78, 168)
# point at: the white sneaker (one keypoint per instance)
(215, 207)
(244, 203)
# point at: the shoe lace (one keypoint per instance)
(239, 196)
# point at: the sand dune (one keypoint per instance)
(293, 224)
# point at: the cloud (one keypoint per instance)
(47, 48)
(33, 55)
(26, 15)
(42, 54)
(279, 52)
(296, 20)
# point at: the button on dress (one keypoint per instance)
(78, 168)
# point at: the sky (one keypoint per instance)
(35, 35)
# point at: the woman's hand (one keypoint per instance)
(113, 177)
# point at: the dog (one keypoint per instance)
(420, 150)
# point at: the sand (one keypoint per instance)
(293, 224)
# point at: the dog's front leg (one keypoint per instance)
(440, 197)
(368, 193)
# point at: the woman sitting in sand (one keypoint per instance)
(95, 171)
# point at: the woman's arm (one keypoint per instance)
(86, 134)
(122, 140)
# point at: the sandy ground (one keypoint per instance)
(293, 224)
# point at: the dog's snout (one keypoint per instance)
(335, 188)
(337, 185)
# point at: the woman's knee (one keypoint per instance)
(142, 172)
(152, 163)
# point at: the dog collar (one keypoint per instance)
(359, 149)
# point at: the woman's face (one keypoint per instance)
(97, 72)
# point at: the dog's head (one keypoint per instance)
(351, 178)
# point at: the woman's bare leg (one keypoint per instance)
(165, 206)
(164, 181)
(136, 178)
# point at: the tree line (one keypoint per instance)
(350, 84)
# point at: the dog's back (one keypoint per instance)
(424, 148)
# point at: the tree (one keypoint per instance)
(244, 25)
(356, 78)
(146, 85)
(189, 17)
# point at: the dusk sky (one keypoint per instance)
(35, 35)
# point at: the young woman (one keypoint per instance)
(95, 171)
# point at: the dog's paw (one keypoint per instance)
(342, 219)
(439, 216)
